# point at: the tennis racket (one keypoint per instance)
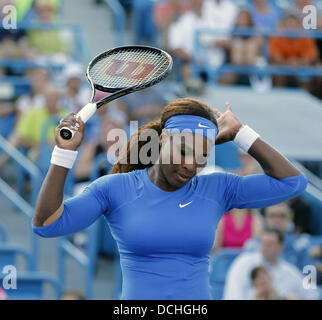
(121, 71)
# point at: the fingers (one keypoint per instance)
(228, 107)
(217, 112)
(70, 122)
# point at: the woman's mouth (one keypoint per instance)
(183, 178)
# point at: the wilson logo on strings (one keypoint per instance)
(129, 70)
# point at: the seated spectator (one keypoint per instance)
(13, 42)
(165, 14)
(243, 50)
(75, 96)
(265, 14)
(208, 14)
(29, 127)
(47, 42)
(263, 285)
(142, 106)
(39, 80)
(287, 279)
(296, 248)
(292, 51)
(236, 227)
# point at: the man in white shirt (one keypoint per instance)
(287, 279)
(203, 14)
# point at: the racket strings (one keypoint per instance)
(127, 68)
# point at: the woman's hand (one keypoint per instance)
(228, 125)
(74, 124)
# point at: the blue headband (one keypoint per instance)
(194, 124)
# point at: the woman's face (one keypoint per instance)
(182, 156)
(263, 280)
(243, 20)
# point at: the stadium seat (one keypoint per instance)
(31, 286)
(10, 253)
(218, 268)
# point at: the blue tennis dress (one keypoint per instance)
(164, 238)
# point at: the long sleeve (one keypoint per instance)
(260, 190)
(79, 212)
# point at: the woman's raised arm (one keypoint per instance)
(49, 205)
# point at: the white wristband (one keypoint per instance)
(63, 157)
(245, 137)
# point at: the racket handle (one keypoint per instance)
(85, 113)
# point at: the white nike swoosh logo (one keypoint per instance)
(184, 205)
(202, 126)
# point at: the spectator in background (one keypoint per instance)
(296, 248)
(39, 80)
(292, 51)
(243, 50)
(265, 14)
(287, 279)
(208, 14)
(263, 285)
(165, 14)
(29, 127)
(13, 42)
(47, 42)
(181, 37)
(142, 106)
(236, 227)
(75, 96)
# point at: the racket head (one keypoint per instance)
(128, 67)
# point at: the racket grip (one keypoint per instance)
(85, 113)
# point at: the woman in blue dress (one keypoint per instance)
(163, 215)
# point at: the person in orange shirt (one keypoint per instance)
(292, 51)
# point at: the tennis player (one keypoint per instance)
(163, 215)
